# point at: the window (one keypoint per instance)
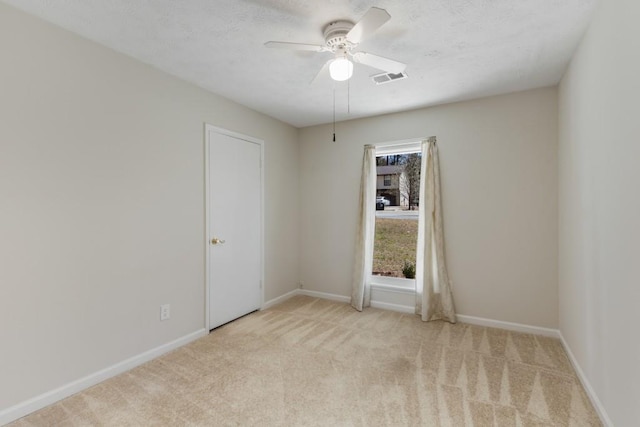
(390, 160)
(396, 226)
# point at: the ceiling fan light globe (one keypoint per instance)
(341, 69)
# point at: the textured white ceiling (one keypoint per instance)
(455, 49)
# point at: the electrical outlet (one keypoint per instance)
(165, 311)
(301, 285)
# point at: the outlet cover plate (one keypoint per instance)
(165, 311)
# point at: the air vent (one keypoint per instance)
(388, 77)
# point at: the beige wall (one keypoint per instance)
(499, 181)
(102, 205)
(599, 277)
(102, 212)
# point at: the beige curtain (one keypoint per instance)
(433, 288)
(361, 290)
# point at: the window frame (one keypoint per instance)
(396, 284)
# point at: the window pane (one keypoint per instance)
(395, 243)
(396, 230)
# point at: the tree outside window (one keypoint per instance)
(410, 180)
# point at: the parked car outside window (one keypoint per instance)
(383, 200)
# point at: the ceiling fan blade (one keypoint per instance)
(324, 72)
(370, 22)
(375, 61)
(296, 46)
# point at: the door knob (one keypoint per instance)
(216, 241)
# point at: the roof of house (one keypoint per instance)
(388, 170)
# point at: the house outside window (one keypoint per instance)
(387, 180)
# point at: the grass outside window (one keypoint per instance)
(395, 243)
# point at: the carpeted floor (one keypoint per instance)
(315, 362)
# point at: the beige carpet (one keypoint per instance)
(316, 362)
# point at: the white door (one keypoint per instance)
(234, 225)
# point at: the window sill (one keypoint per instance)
(393, 284)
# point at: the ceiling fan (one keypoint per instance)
(341, 39)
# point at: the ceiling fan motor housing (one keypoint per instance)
(335, 34)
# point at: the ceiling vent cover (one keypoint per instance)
(383, 78)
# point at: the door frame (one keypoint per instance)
(208, 129)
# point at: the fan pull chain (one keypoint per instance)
(334, 113)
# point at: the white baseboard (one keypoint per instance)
(324, 295)
(595, 401)
(281, 298)
(28, 406)
(393, 307)
(342, 298)
(473, 320)
(510, 326)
